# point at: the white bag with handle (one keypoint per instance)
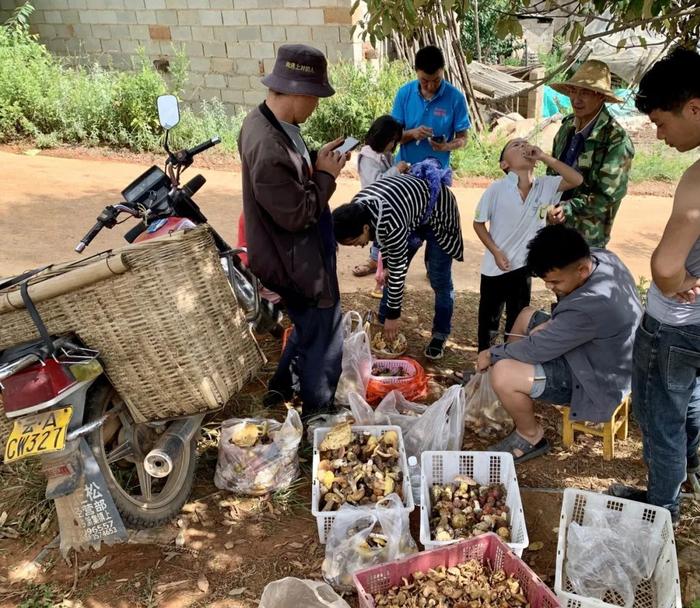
(297, 593)
(357, 359)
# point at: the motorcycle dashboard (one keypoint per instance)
(153, 184)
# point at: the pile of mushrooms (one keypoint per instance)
(467, 585)
(463, 509)
(358, 468)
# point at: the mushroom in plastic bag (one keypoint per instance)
(362, 537)
(258, 456)
(485, 414)
(297, 593)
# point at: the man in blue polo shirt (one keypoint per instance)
(433, 112)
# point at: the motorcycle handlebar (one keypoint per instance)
(204, 146)
(87, 239)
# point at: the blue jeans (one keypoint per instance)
(313, 354)
(666, 404)
(440, 273)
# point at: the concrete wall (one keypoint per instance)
(230, 43)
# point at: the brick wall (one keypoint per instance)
(230, 43)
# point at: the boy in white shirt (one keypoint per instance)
(515, 207)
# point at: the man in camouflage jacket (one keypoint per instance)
(593, 142)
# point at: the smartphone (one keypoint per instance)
(438, 139)
(348, 145)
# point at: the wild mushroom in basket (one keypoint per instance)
(467, 585)
(464, 508)
(357, 467)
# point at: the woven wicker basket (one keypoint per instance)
(169, 330)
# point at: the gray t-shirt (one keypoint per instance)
(514, 222)
(593, 329)
(294, 133)
(669, 311)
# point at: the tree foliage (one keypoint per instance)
(677, 20)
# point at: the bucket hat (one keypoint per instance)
(593, 75)
(299, 70)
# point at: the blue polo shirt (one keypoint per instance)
(446, 113)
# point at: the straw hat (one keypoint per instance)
(593, 75)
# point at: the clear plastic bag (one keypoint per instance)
(485, 414)
(326, 420)
(361, 537)
(297, 593)
(610, 553)
(439, 426)
(261, 468)
(357, 359)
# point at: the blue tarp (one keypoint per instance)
(556, 103)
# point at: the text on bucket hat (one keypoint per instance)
(299, 70)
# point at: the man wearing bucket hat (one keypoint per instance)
(593, 142)
(288, 224)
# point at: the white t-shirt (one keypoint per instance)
(514, 222)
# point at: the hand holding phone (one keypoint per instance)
(438, 139)
(348, 145)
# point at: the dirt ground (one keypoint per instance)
(49, 203)
(234, 546)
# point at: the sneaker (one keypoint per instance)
(622, 491)
(272, 399)
(435, 350)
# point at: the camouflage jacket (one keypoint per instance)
(604, 163)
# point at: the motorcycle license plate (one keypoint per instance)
(38, 434)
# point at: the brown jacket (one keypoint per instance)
(288, 223)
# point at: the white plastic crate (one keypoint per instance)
(484, 468)
(661, 590)
(325, 519)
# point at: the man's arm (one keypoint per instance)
(609, 185)
(681, 232)
(565, 332)
(291, 204)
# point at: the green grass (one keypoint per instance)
(659, 163)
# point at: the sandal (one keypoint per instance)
(363, 270)
(517, 443)
(464, 376)
(378, 294)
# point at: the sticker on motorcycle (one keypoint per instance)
(38, 434)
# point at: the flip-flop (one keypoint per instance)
(377, 294)
(464, 376)
(363, 270)
(514, 441)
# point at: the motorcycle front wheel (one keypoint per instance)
(120, 445)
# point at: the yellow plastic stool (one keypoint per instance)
(618, 427)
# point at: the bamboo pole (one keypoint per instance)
(65, 283)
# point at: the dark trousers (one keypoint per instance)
(510, 290)
(311, 361)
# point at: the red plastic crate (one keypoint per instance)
(487, 548)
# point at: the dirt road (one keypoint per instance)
(48, 203)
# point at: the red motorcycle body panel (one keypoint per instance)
(164, 227)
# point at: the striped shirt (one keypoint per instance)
(397, 205)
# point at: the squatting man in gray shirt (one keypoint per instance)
(581, 355)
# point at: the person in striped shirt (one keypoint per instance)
(400, 214)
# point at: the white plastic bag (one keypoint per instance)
(263, 467)
(325, 420)
(361, 537)
(357, 359)
(485, 414)
(297, 593)
(439, 426)
(610, 553)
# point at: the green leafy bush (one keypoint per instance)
(362, 94)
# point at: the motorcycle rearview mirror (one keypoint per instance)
(168, 111)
